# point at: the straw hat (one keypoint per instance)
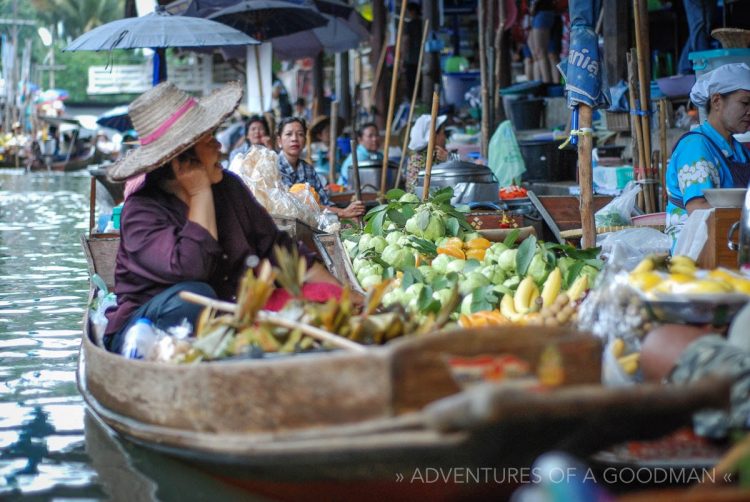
(732, 38)
(319, 123)
(168, 122)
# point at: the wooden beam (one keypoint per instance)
(617, 36)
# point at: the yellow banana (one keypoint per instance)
(551, 287)
(682, 260)
(524, 293)
(630, 362)
(645, 265)
(508, 309)
(578, 288)
(683, 269)
(618, 347)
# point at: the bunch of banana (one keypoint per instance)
(551, 306)
(684, 276)
(682, 265)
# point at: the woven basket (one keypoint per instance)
(732, 38)
(618, 121)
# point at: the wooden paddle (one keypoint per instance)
(392, 100)
(355, 171)
(430, 146)
(332, 142)
(265, 316)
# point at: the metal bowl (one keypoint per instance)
(725, 197)
(716, 309)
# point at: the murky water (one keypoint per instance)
(50, 449)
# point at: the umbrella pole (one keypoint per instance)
(431, 146)
(260, 79)
(413, 103)
(663, 148)
(638, 161)
(378, 73)
(485, 138)
(392, 99)
(332, 143)
(585, 178)
(641, 38)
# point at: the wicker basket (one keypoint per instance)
(618, 121)
(732, 38)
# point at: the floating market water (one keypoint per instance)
(50, 447)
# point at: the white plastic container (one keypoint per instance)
(139, 339)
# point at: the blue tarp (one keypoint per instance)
(583, 68)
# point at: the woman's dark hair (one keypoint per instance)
(257, 118)
(165, 172)
(364, 127)
(288, 120)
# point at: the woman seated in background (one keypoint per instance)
(709, 156)
(190, 226)
(368, 146)
(320, 135)
(257, 134)
(291, 137)
(418, 142)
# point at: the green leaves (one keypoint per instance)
(525, 254)
(512, 237)
(483, 298)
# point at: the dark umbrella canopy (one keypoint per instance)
(337, 36)
(159, 30)
(266, 19)
(116, 118)
(583, 74)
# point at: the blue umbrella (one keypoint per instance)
(158, 31)
(116, 118)
(267, 19)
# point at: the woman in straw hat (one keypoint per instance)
(291, 137)
(709, 156)
(418, 141)
(190, 226)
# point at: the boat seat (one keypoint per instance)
(101, 251)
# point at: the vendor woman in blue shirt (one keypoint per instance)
(708, 156)
(368, 146)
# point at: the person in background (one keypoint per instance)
(700, 16)
(280, 104)
(301, 110)
(418, 142)
(542, 21)
(709, 156)
(320, 133)
(291, 137)
(257, 133)
(190, 225)
(368, 148)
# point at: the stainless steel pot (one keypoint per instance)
(369, 175)
(470, 182)
(743, 245)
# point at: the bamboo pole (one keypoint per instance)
(499, 48)
(483, 78)
(332, 142)
(273, 318)
(585, 178)
(392, 99)
(430, 146)
(635, 125)
(663, 149)
(257, 69)
(413, 103)
(641, 44)
(378, 73)
(92, 206)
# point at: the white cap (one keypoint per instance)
(724, 79)
(420, 131)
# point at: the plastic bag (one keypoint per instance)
(104, 300)
(259, 169)
(618, 211)
(505, 160)
(626, 248)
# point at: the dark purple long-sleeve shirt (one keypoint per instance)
(160, 247)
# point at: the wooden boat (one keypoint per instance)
(353, 421)
(89, 155)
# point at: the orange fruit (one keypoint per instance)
(452, 251)
(478, 243)
(477, 254)
(299, 187)
(454, 242)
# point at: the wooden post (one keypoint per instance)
(641, 43)
(392, 98)
(639, 162)
(664, 154)
(502, 64)
(431, 146)
(92, 206)
(585, 178)
(616, 36)
(413, 103)
(260, 79)
(485, 124)
(332, 142)
(378, 72)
